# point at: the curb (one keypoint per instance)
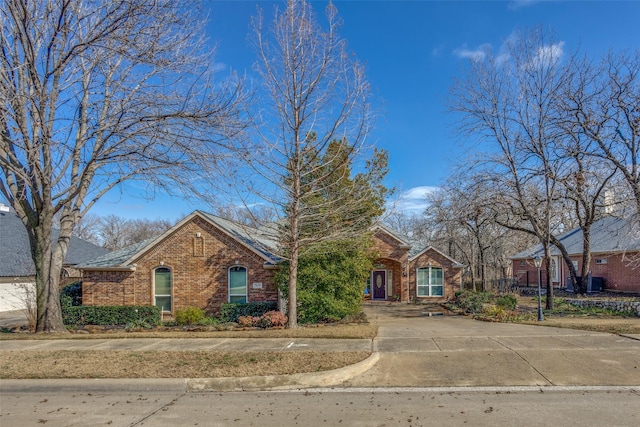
(96, 385)
(186, 385)
(283, 382)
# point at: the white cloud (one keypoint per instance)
(219, 66)
(475, 55)
(413, 201)
(436, 51)
(549, 54)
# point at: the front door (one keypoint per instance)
(379, 284)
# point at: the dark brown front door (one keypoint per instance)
(378, 284)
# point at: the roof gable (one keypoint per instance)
(402, 240)
(431, 248)
(253, 239)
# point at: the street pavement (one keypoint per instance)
(414, 347)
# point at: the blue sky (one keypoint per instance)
(412, 50)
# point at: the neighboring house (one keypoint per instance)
(615, 257)
(205, 261)
(17, 272)
(202, 261)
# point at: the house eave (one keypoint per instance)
(120, 268)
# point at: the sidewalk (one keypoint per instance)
(412, 349)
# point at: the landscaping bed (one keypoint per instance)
(490, 307)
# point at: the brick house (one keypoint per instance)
(204, 261)
(411, 273)
(615, 257)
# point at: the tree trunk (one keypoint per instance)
(293, 297)
(586, 260)
(48, 265)
(567, 259)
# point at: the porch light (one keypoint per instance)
(537, 261)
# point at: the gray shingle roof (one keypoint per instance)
(15, 253)
(118, 257)
(259, 240)
(609, 234)
(262, 240)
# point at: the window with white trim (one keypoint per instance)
(430, 282)
(238, 285)
(162, 288)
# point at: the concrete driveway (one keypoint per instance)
(419, 350)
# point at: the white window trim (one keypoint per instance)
(155, 295)
(246, 284)
(429, 285)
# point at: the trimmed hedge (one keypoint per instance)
(230, 312)
(110, 315)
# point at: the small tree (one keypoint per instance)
(316, 96)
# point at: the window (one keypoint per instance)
(430, 282)
(238, 285)
(162, 288)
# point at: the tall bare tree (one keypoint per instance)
(316, 95)
(508, 102)
(96, 93)
(116, 232)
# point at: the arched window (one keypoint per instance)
(430, 282)
(162, 288)
(238, 285)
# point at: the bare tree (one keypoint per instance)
(508, 101)
(253, 217)
(602, 105)
(462, 217)
(87, 228)
(317, 98)
(96, 93)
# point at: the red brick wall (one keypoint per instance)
(199, 277)
(393, 257)
(620, 273)
(434, 259)
(389, 247)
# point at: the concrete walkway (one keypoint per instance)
(412, 349)
(421, 351)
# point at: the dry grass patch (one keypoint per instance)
(167, 364)
(346, 331)
(615, 325)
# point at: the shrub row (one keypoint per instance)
(189, 316)
(267, 320)
(110, 315)
(231, 312)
